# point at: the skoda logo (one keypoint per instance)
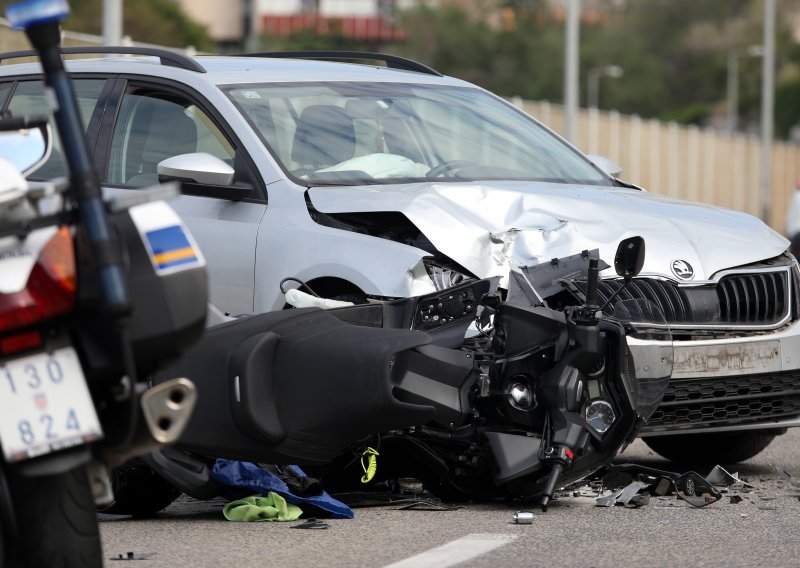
(682, 269)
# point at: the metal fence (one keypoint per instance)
(686, 162)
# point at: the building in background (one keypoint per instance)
(231, 23)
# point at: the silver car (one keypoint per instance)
(368, 181)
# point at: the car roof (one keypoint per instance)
(224, 70)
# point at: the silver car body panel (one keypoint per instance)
(489, 228)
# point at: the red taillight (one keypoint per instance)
(50, 290)
(20, 342)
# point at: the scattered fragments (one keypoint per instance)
(622, 496)
(720, 477)
(311, 523)
(734, 499)
(428, 505)
(133, 556)
(786, 477)
(523, 518)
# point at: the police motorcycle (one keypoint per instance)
(95, 295)
(546, 390)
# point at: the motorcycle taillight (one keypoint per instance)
(50, 290)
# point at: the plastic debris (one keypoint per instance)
(312, 524)
(786, 477)
(736, 499)
(720, 477)
(133, 556)
(622, 496)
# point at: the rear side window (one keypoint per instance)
(29, 98)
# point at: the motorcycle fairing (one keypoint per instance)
(293, 386)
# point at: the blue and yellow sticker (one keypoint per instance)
(171, 248)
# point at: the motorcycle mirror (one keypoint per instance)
(695, 490)
(629, 259)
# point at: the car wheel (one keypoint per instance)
(139, 491)
(711, 449)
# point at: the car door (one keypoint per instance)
(150, 121)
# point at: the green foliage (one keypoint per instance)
(787, 106)
(161, 22)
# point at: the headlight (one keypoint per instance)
(444, 277)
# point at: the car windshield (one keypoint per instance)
(380, 133)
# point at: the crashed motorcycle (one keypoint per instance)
(91, 303)
(534, 398)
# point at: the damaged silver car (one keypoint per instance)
(373, 181)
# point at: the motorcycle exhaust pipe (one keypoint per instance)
(164, 412)
(167, 408)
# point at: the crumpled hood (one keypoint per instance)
(487, 228)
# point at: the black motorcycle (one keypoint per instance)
(94, 297)
(538, 398)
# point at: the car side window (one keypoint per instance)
(29, 98)
(152, 127)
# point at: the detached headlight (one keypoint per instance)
(443, 276)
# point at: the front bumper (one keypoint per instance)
(744, 383)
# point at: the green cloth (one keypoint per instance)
(271, 507)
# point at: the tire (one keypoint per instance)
(719, 448)
(57, 523)
(139, 491)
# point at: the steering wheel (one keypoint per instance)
(448, 166)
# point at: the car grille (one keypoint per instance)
(743, 399)
(747, 300)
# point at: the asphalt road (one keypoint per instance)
(761, 530)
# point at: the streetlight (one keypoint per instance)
(571, 66)
(733, 83)
(593, 82)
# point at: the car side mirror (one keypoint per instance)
(629, 260)
(203, 174)
(696, 490)
(606, 165)
(26, 148)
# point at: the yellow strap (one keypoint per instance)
(371, 467)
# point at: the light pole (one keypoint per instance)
(112, 22)
(593, 82)
(733, 83)
(767, 107)
(571, 63)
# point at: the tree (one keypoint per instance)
(160, 22)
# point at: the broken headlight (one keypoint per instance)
(443, 276)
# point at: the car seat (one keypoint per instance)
(164, 130)
(325, 136)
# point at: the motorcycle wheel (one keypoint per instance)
(139, 491)
(57, 522)
(718, 448)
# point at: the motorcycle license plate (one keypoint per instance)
(45, 405)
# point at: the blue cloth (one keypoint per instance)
(245, 478)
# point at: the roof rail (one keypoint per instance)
(167, 57)
(393, 61)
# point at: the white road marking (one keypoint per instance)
(456, 551)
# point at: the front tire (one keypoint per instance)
(716, 448)
(56, 521)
